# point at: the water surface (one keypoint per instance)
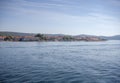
(60, 62)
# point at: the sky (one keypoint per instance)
(72, 17)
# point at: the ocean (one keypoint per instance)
(60, 62)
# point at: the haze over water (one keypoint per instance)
(60, 62)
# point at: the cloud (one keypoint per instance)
(55, 6)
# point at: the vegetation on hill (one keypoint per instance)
(9, 38)
(41, 36)
(68, 38)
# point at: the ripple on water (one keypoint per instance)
(60, 62)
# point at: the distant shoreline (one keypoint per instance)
(45, 38)
(30, 37)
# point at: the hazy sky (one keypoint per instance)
(93, 17)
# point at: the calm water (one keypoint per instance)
(60, 62)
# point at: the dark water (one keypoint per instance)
(60, 62)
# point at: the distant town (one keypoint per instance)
(14, 36)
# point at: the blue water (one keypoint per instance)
(60, 62)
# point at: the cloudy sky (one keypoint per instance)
(93, 17)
